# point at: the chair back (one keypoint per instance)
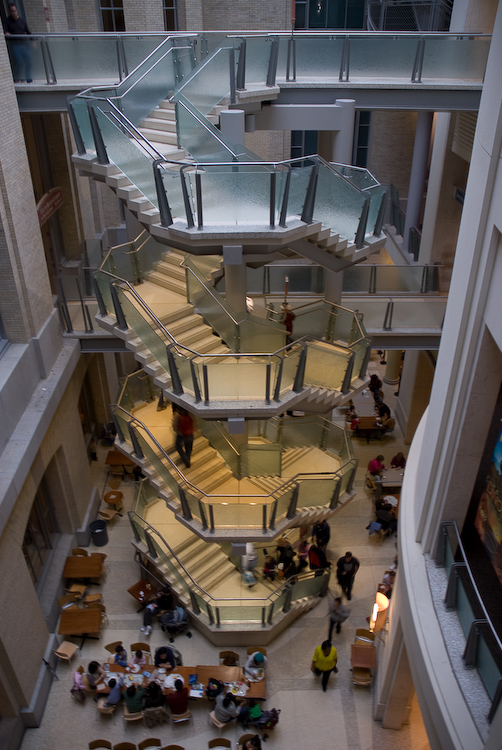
(103, 708)
(179, 718)
(100, 744)
(125, 746)
(145, 647)
(218, 724)
(150, 742)
(243, 739)
(111, 647)
(128, 716)
(219, 742)
(254, 649)
(362, 634)
(68, 600)
(229, 658)
(79, 552)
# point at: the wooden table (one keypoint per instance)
(146, 588)
(80, 622)
(367, 426)
(117, 458)
(364, 403)
(363, 655)
(83, 568)
(392, 478)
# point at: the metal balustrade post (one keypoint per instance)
(308, 206)
(441, 545)
(186, 197)
(272, 62)
(287, 601)
(451, 591)
(99, 296)
(185, 508)
(416, 75)
(271, 524)
(348, 375)
(336, 494)
(124, 69)
(291, 60)
(377, 229)
(211, 517)
(366, 359)
(85, 312)
(206, 384)
(344, 71)
(277, 389)
(195, 383)
(118, 428)
(351, 481)
(50, 73)
(194, 603)
(387, 322)
(198, 193)
(423, 283)
(325, 584)
(64, 308)
(233, 85)
(285, 200)
(268, 373)
(263, 616)
(363, 221)
(471, 646)
(75, 126)
(202, 515)
(98, 138)
(166, 217)
(264, 518)
(138, 452)
(270, 615)
(291, 513)
(273, 178)
(218, 623)
(241, 67)
(151, 548)
(135, 532)
(300, 371)
(372, 284)
(119, 313)
(173, 370)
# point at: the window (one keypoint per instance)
(303, 142)
(361, 139)
(329, 14)
(40, 533)
(112, 14)
(170, 15)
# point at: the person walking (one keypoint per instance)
(346, 569)
(338, 614)
(324, 662)
(322, 533)
(183, 426)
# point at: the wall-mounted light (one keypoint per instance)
(379, 613)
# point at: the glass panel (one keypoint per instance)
(143, 328)
(79, 107)
(319, 57)
(150, 451)
(261, 460)
(26, 58)
(373, 310)
(283, 503)
(204, 606)
(300, 176)
(200, 138)
(103, 281)
(345, 479)
(211, 306)
(420, 313)
(85, 58)
(279, 603)
(360, 351)
(241, 378)
(341, 324)
(302, 279)
(223, 443)
(455, 57)
(210, 82)
(182, 362)
(398, 279)
(487, 667)
(170, 563)
(308, 587)
(239, 613)
(325, 366)
(312, 321)
(171, 177)
(291, 359)
(337, 203)
(464, 611)
(137, 48)
(233, 515)
(376, 56)
(240, 194)
(357, 279)
(261, 336)
(193, 504)
(257, 57)
(139, 529)
(300, 432)
(449, 556)
(123, 152)
(315, 492)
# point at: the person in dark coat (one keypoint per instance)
(346, 569)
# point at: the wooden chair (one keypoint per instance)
(111, 647)
(99, 744)
(66, 651)
(229, 658)
(90, 598)
(173, 747)
(125, 746)
(180, 718)
(103, 708)
(362, 634)
(219, 742)
(361, 676)
(79, 552)
(139, 646)
(254, 649)
(78, 589)
(243, 739)
(98, 605)
(106, 514)
(68, 601)
(214, 720)
(150, 742)
(99, 554)
(136, 716)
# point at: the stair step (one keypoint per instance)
(162, 279)
(159, 136)
(162, 124)
(171, 269)
(164, 113)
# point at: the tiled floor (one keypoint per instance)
(340, 718)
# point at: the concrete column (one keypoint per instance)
(235, 277)
(333, 286)
(232, 125)
(133, 227)
(397, 706)
(418, 172)
(336, 145)
(393, 369)
(414, 391)
(439, 149)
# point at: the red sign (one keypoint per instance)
(49, 204)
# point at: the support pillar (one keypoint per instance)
(333, 282)
(439, 150)
(393, 369)
(232, 125)
(418, 172)
(336, 145)
(397, 707)
(235, 277)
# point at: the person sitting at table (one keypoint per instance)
(255, 661)
(149, 611)
(387, 519)
(381, 503)
(376, 466)
(133, 697)
(388, 422)
(375, 384)
(178, 699)
(381, 408)
(165, 599)
(164, 657)
(253, 743)
(398, 462)
(120, 656)
(115, 694)
(249, 711)
(138, 658)
(95, 674)
(350, 413)
(154, 697)
(389, 577)
(226, 708)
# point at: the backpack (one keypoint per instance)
(78, 694)
(185, 424)
(214, 688)
(268, 719)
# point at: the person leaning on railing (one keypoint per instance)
(21, 56)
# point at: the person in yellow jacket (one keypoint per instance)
(324, 662)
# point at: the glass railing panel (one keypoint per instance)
(140, 389)
(264, 428)
(333, 437)
(261, 336)
(79, 107)
(337, 204)
(318, 57)
(278, 604)
(233, 514)
(103, 282)
(212, 308)
(377, 194)
(357, 279)
(203, 605)
(261, 460)
(238, 613)
(381, 56)
(148, 252)
(170, 563)
(420, 313)
(361, 178)
(373, 310)
(463, 607)
(283, 503)
(123, 152)
(359, 350)
(300, 176)
(325, 367)
(345, 478)
(458, 58)
(156, 84)
(311, 322)
(300, 432)
(150, 451)
(236, 378)
(291, 359)
(138, 48)
(302, 279)
(257, 57)
(193, 504)
(121, 263)
(139, 529)
(171, 179)
(200, 138)
(223, 443)
(182, 361)
(143, 328)
(123, 420)
(398, 278)
(82, 57)
(487, 666)
(315, 492)
(307, 587)
(341, 324)
(29, 50)
(210, 83)
(449, 553)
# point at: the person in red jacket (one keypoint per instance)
(178, 700)
(184, 428)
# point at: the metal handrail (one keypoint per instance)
(206, 125)
(276, 593)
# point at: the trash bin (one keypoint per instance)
(99, 533)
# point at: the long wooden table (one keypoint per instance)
(204, 673)
(80, 622)
(392, 478)
(83, 567)
(117, 458)
(368, 426)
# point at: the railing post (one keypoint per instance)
(267, 382)
(75, 126)
(416, 75)
(241, 67)
(373, 279)
(119, 313)
(348, 374)
(211, 518)
(99, 297)
(206, 383)
(285, 200)
(287, 600)
(300, 371)
(363, 221)
(272, 198)
(195, 383)
(471, 646)
(137, 537)
(293, 503)
(64, 308)
(198, 193)
(185, 508)
(231, 73)
(291, 60)
(496, 701)
(350, 483)
(271, 524)
(336, 494)
(175, 376)
(272, 62)
(263, 616)
(166, 217)
(377, 229)
(123, 69)
(118, 428)
(270, 615)
(441, 546)
(218, 623)
(264, 518)
(98, 138)
(308, 206)
(451, 591)
(202, 515)
(344, 72)
(423, 284)
(194, 603)
(387, 322)
(85, 312)
(277, 389)
(50, 73)
(366, 359)
(135, 442)
(151, 549)
(186, 198)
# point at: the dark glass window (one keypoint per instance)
(361, 138)
(170, 15)
(41, 530)
(303, 142)
(329, 14)
(112, 15)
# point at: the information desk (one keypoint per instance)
(204, 673)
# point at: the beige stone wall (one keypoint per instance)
(392, 135)
(244, 15)
(269, 145)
